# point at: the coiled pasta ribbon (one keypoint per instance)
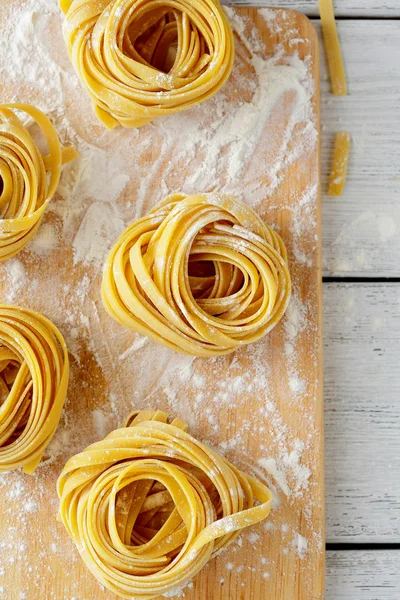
(34, 371)
(141, 59)
(27, 179)
(149, 505)
(200, 274)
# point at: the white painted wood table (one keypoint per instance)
(361, 235)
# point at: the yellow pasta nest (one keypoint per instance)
(149, 505)
(141, 59)
(200, 274)
(27, 179)
(34, 371)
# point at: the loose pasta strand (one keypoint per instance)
(332, 48)
(337, 176)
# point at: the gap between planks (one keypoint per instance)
(363, 575)
(346, 9)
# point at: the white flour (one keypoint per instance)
(16, 278)
(46, 239)
(96, 233)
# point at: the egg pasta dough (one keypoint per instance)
(28, 180)
(332, 48)
(200, 274)
(34, 369)
(142, 59)
(337, 177)
(149, 506)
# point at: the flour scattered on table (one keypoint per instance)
(178, 592)
(45, 240)
(16, 275)
(301, 544)
(100, 227)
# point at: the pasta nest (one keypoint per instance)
(141, 59)
(28, 180)
(200, 274)
(149, 505)
(34, 369)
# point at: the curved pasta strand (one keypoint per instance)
(149, 505)
(199, 274)
(141, 59)
(34, 370)
(28, 180)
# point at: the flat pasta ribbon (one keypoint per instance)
(141, 59)
(28, 180)
(149, 505)
(34, 370)
(199, 274)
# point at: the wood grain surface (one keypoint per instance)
(362, 412)
(284, 560)
(363, 575)
(361, 228)
(343, 8)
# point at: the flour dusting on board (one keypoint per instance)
(16, 278)
(243, 141)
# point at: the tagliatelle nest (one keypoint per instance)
(149, 505)
(28, 180)
(34, 371)
(141, 59)
(200, 274)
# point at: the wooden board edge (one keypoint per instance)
(319, 286)
(309, 26)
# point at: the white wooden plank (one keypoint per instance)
(343, 8)
(362, 412)
(361, 229)
(363, 575)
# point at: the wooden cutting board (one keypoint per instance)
(262, 406)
